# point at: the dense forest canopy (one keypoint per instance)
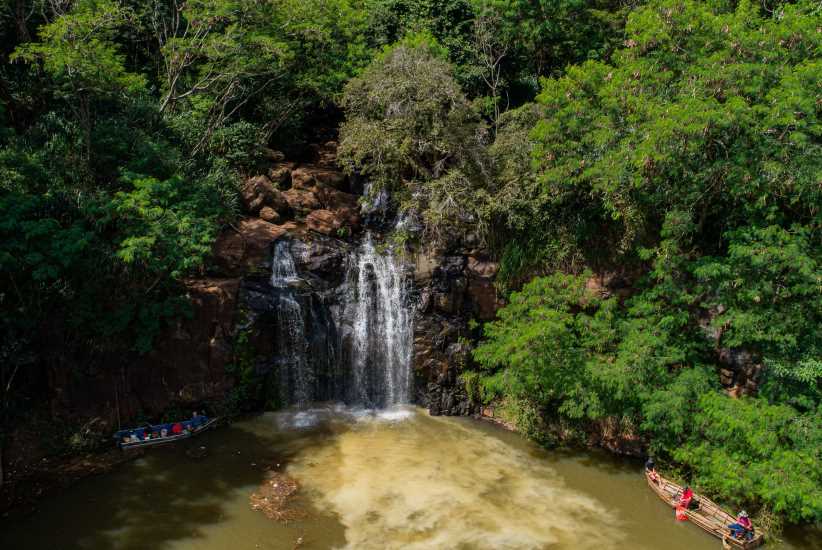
(676, 142)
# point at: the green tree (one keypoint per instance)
(79, 52)
(230, 62)
(708, 112)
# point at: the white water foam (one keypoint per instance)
(382, 338)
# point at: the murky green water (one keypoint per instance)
(400, 479)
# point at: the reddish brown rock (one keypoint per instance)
(483, 296)
(326, 154)
(349, 217)
(331, 178)
(302, 178)
(301, 201)
(203, 343)
(186, 365)
(258, 236)
(280, 175)
(481, 268)
(332, 199)
(272, 155)
(324, 221)
(307, 176)
(246, 246)
(259, 191)
(270, 215)
(228, 252)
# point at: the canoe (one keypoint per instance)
(190, 432)
(709, 516)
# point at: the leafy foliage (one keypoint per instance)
(560, 349)
(411, 130)
(407, 117)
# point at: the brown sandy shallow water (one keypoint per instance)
(356, 479)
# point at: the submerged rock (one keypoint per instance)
(274, 497)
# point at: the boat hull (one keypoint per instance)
(170, 438)
(709, 516)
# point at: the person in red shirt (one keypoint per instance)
(743, 528)
(687, 495)
(176, 429)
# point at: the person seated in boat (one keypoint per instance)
(650, 468)
(195, 420)
(743, 528)
(176, 429)
(163, 432)
(686, 497)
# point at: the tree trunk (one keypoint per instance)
(21, 19)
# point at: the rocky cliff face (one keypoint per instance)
(236, 312)
(450, 286)
(454, 287)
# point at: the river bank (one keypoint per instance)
(50, 476)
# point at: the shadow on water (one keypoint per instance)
(805, 537)
(159, 499)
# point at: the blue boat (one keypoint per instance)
(160, 434)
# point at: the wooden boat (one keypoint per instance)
(137, 440)
(709, 516)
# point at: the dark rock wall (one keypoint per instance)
(320, 292)
(453, 288)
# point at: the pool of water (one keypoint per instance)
(392, 479)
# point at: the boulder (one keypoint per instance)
(332, 199)
(301, 200)
(483, 296)
(326, 154)
(259, 191)
(321, 256)
(302, 178)
(272, 155)
(247, 246)
(258, 236)
(348, 217)
(331, 178)
(228, 252)
(270, 215)
(280, 175)
(481, 268)
(307, 176)
(324, 221)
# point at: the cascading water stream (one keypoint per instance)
(354, 344)
(295, 374)
(381, 343)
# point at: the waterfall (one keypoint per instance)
(295, 376)
(381, 339)
(350, 340)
